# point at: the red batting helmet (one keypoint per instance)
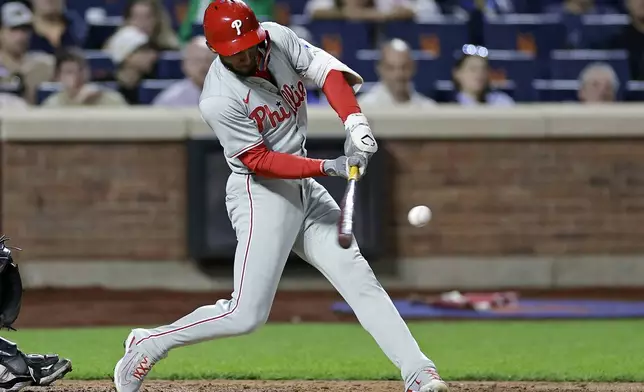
(230, 27)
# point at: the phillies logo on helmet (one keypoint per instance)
(237, 24)
(231, 27)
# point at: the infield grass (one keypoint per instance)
(554, 351)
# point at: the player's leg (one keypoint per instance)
(354, 279)
(267, 216)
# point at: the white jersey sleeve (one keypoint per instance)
(310, 62)
(236, 132)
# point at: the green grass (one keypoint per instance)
(557, 351)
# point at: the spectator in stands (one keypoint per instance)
(472, 83)
(72, 71)
(150, 17)
(396, 70)
(197, 58)
(264, 9)
(135, 58)
(56, 27)
(598, 83)
(19, 67)
(371, 10)
(283, 17)
(631, 39)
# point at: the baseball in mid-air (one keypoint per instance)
(419, 216)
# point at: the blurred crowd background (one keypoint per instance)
(410, 52)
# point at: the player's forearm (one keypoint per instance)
(275, 164)
(360, 140)
(340, 95)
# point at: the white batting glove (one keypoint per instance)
(360, 141)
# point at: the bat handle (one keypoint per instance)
(354, 171)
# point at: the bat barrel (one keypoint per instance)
(345, 225)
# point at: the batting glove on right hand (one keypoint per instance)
(360, 141)
(339, 167)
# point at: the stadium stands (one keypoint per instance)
(533, 57)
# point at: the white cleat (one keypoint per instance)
(131, 370)
(426, 380)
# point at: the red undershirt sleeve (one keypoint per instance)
(275, 164)
(340, 95)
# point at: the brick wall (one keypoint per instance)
(521, 197)
(102, 201)
(489, 197)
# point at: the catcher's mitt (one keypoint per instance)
(10, 287)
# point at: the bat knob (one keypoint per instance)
(345, 240)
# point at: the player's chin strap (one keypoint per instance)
(265, 52)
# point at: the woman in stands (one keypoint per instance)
(151, 17)
(472, 81)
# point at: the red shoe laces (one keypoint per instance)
(143, 369)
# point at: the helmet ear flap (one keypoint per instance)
(211, 49)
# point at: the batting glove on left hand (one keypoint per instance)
(339, 167)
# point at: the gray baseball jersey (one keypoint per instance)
(245, 112)
(272, 217)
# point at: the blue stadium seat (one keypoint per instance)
(99, 33)
(635, 91)
(595, 30)
(519, 68)
(151, 88)
(100, 64)
(366, 63)
(295, 6)
(342, 38)
(445, 92)
(173, 7)
(568, 64)
(197, 29)
(531, 6)
(557, 90)
(442, 36)
(315, 97)
(111, 7)
(619, 5)
(169, 66)
(534, 34)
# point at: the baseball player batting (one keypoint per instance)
(254, 99)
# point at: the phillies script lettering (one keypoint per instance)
(294, 97)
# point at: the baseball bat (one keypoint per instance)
(347, 207)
